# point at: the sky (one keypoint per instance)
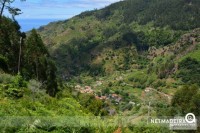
(41, 12)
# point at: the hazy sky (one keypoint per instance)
(57, 9)
(40, 12)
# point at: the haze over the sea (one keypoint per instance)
(28, 24)
(40, 12)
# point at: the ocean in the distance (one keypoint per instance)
(28, 24)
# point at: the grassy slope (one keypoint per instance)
(161, 29)
(194, 54)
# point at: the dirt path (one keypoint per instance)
(163, 94)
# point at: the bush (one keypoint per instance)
(138, 77)
(35, 88)
(14, 92)
(19, 82)
(189, 71)
(143, 128)
(15, 87)
(159, 83)
(127, 107)
(106, 91)
(6, 78)
(186, 100)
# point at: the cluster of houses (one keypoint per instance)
(88, 89)
(101, 97)
(114, 97)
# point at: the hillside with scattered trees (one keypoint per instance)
(108, 70)
(139, 24)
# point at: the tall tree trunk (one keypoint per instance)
(37, 70)
(20, 51)
(1, 13)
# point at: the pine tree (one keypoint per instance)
(12, 10)
(9, 42)
(38, 63)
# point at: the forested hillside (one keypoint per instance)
(26, 56)
(103, 69)
(76, 43)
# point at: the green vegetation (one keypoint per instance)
(186, 100)
(189, 71)
(130, 23)
(33, 60)
(26, 104)
(195, 54)
(163, 13)
(134, 58)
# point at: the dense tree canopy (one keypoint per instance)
(189, 71)
(9, 42)
(34, 61)
(186, 100)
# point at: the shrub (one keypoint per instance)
(6, 78)
(35, 87)
(14, 92)
(19, 81)
(138, 77)
(159, 83)
(186, 100)
(189, 71)
(16, 87)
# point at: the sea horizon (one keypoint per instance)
(29, 24)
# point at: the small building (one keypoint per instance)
(103, 97)
(114, 95)
(97, 97)
(148, 89)
(88, 87)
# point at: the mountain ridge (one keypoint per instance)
(118, 25)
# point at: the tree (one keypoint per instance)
(95, 106)
(12, 10)
(52, 88)
(38, 63)
(22, 36)
(3, 63)
(186, 100)
(35, 51)
(189, 71)
(9, 42)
